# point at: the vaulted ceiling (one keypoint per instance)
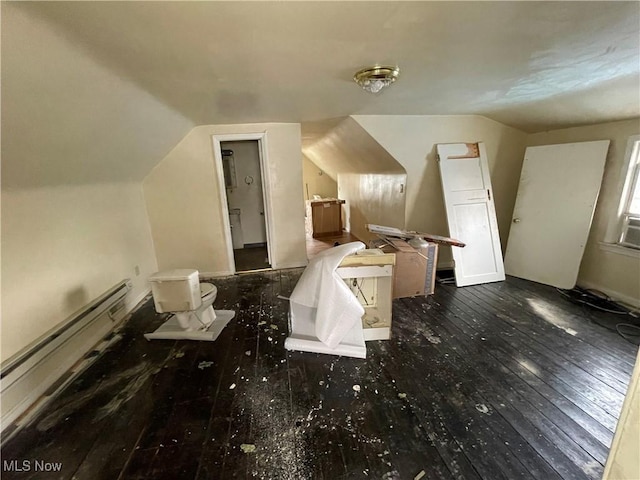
(531, 65)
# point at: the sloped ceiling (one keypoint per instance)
(348, 148)
(531, 65)
(68, 119)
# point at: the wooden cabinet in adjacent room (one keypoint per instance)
(326, 217)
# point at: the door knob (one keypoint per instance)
(516, 220)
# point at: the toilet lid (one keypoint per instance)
(206, 289)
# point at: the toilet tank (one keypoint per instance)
(175, 290)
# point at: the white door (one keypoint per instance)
(557, 195)
(471, 214)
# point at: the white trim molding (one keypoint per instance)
(619, 249)
(614, 228)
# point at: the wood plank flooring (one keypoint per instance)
(499, 381)
(251, 258)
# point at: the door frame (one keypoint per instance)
(261, 138)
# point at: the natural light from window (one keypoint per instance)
(634, 205)
(630, 232)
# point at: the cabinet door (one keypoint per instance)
(326, 219)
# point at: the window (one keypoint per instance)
(630, 204)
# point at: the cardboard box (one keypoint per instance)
(415, 270)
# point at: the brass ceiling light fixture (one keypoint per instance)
(373, 79)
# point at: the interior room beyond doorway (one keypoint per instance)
(319, 185)
(245, 200)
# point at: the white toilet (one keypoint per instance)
(180, 292)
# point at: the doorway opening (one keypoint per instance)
(245, 198)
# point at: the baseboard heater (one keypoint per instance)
(38, 368)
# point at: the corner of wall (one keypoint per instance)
(182, 195)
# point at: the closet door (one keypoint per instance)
(557, 195)
(471, 215)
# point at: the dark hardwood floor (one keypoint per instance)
(251, 258)
(499, 381)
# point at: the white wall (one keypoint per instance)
(184, 205)
(411, 141)
(372, 198)
(64, 246)
(612, 272)
(77, 140)
(247, 196)
(68, 119)
(316, 181)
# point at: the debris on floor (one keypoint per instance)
(309, 413)
(248, 447)
(204, 364)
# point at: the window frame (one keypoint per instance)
(631, 172)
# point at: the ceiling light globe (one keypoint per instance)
(374, 79)
(374, 86)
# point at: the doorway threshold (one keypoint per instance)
(257, 270)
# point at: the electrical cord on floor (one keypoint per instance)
(600, 301)
(581, 298)
(634, 328)
(593, 297)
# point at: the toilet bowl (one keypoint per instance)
(203, 316)
(178, 292)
